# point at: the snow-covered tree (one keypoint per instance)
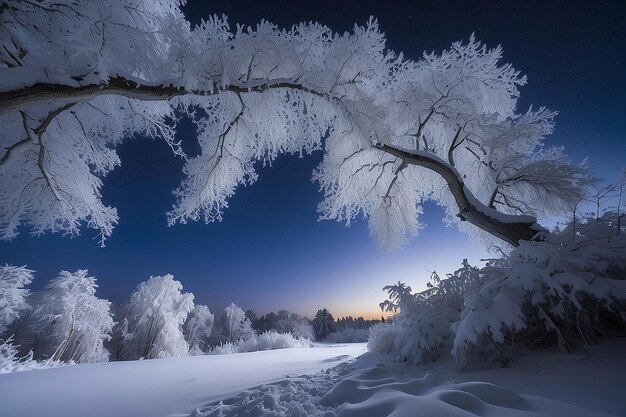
(197, 329)
(13, 304)
(323, 324)
(153, 326)
(234, 324)
(13, 294)
(78, 78)
(400, 298)
(284, 322)
(68, 322)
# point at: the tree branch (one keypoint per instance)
(49, 93)
(509, 228)
(38, 131)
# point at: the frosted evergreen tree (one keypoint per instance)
(153, 326)
(68, 322)
(323, 324)
(79, 78)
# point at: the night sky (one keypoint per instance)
(270, 252)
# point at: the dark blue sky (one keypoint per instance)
(270, 252)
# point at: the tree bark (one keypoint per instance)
(50, 93)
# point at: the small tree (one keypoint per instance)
(323, 324)
(400, 298)
(235, 324)
(68, 321)
(13, 295)
(251, 315)
(155, 316)
(197, 329)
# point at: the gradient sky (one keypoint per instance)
(270, 252)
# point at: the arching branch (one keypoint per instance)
(49, 93)
(509, 228)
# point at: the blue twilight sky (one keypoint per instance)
(270, 252)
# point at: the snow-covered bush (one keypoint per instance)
(348, 336)
(197, 329)
(421, 328)
(555, 293)
(269, 340)
(382, 337)
(154, 319)
(545, 294)
(13, 295)
(10, 360)
(68, 322)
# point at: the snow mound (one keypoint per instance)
(365, 388)
(380, 392)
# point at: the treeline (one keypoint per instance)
(67, 322)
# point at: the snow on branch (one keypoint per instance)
(395, 132)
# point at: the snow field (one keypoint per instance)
(158, 388)
(324, 381)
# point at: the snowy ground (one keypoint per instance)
(255, 384)
(156, 388)
(537, 385)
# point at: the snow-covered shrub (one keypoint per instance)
(348, 336)
(421, 328)
(197, 329)
(555, 293)
(224, 348)
(382, 336)
(13, 295)
(154, 319)
(545, 294)
(269, 340)
(423, 335)
(274, 340)
(10, 361)
(68, 322)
